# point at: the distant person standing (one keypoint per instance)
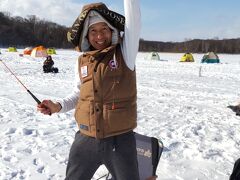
(105, 92)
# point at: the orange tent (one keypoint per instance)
(39, 51)
(27, 51)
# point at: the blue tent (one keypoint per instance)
(210, 57)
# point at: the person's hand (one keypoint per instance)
(152, 178)
(48, 107)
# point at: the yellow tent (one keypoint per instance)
(51, 51)
(12, 49)
(187, 57)
(39, 51)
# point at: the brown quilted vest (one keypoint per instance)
(107, 103)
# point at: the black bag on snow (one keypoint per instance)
(236, 171)
(149, 151)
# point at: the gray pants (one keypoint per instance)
(117, 153)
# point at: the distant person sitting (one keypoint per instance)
(48, 65)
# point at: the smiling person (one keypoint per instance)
(99, 33)
(105, 95)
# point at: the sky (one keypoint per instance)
(162, 20)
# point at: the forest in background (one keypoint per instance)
(32, 31)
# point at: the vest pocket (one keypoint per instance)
(84, 115)
(120, 119)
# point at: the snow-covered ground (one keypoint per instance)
(183, 104)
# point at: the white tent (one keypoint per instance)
(153, 56)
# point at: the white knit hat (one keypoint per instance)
(94, 20)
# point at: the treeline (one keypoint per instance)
(32, 31)
(231, 46)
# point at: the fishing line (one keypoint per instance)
(34, 97)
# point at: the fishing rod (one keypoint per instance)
(34, 97)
